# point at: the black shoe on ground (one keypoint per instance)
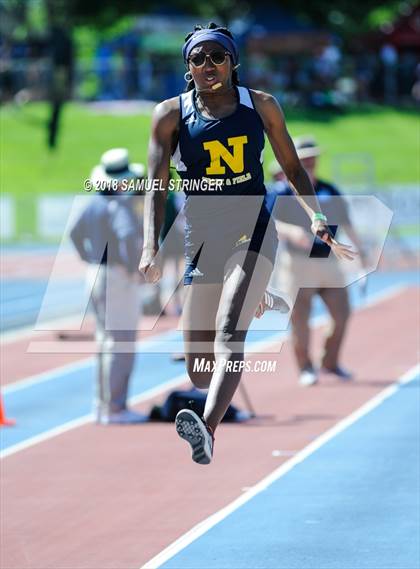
(340, 372)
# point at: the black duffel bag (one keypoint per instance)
(191, 399)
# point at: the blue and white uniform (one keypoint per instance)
(235, 214)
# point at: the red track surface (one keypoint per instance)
(27, 265)
(102, 498)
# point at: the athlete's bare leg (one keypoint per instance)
(199, 330)
(242, 291)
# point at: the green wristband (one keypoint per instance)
(319, 217)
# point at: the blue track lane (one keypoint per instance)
(67, 395)
(21, 301)
(354, 503)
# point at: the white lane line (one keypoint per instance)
(153, 392)
(46, 375)
(25, 333)
(214, 519)
(142, 344)
(256, 347)
(149, 394)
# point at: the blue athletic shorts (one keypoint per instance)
(208, 250)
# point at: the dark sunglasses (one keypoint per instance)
(217, 57)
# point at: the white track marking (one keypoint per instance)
(46, 375)
(214, 519)
(149, 394)
(57, 324)
(68, 368)
(257, 345)
(255, 348)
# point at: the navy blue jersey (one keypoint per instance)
(229, 149)
(220, 222)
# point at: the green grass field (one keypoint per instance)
(387, 138)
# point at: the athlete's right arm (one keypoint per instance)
(164, 131)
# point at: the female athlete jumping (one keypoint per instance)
(215, 131)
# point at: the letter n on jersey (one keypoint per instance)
(234, 160)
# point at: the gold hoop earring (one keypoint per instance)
(188, 76)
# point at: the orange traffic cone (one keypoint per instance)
(4, 421)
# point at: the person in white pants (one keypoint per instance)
(107, 235)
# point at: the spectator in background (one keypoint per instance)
(326, 63)
(279, 181)
(7, 80)
(415, 91)
(299, 266)
(107, 236)
(103, 69)
(60, 49)
(131, 72)
(389, 58)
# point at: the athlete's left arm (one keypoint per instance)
(275, 126)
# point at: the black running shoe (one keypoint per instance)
(194, 430)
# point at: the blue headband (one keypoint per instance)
(210, 35)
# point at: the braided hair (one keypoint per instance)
(211, 26)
